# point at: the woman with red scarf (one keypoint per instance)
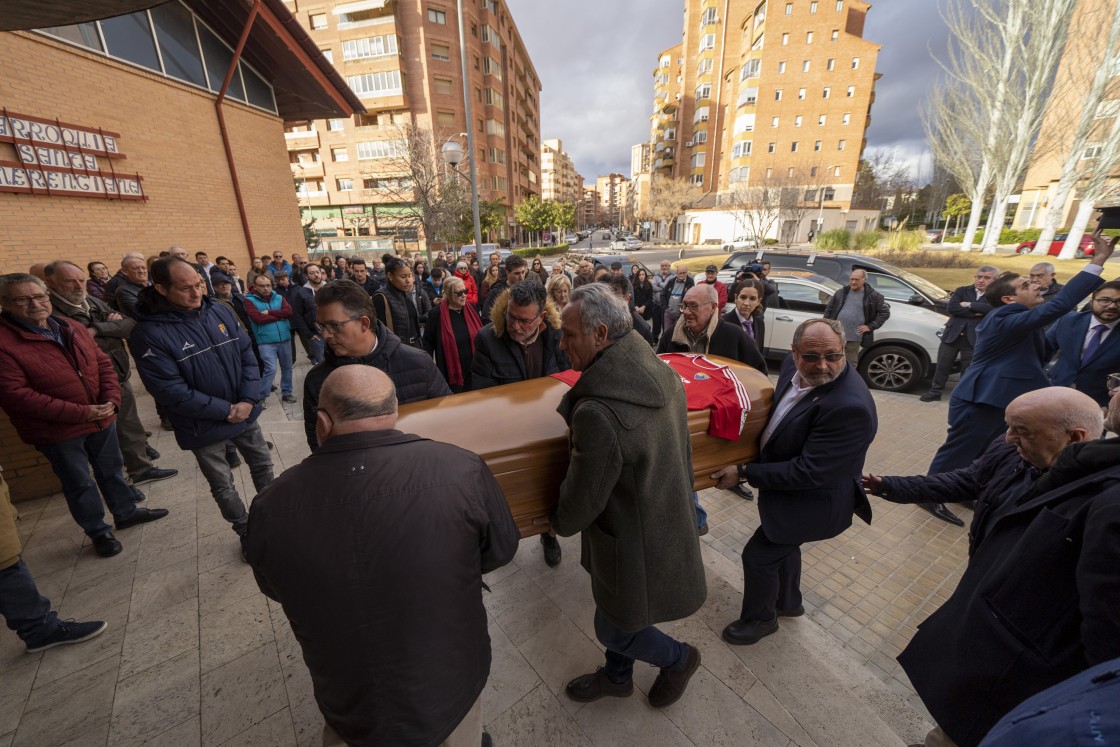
(450, 332)
(462, 271)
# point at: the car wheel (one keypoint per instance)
(1023, 249)
(1079, 254)
(891, 369)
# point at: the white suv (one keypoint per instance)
(741, 244)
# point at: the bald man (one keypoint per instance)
(1037, 602)
(365, 527)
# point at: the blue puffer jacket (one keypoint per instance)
(275, 327)
(196, 364)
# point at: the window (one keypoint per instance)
(793, 147)
(698, 159)
(817, 145)
(375, 84)
(769, 173)
(490, 36)
(494, 127)
(740, 174)
(741, 149)
(696, 180)
(493, 98)
(775, 121)
(831, 64)
(748, 97)
(851, 91)
(700, 137)
(129, 37)
(813, 172)
(758, 43)
(373, 46)
(841, 145)
(708, 41)
(497, 155)
(797, 121)
(804, 66)
(441, 52)
(84, 34)
(446, 118)
(1092, 150)
(705, 66)
(703, 91)
(437, 16)
(785, 40)
(821, 119)
(781, 68)
(708, 18)
(770, 148)
(339, 154)
(490, 66)
(826, 92)
(789, 173)
(344, 185)
(812, 7)
(801, 94)
(789, 9)
(839, 5)
(335, 125)
(846, 119)
(443, 86)
(701, 115)
(777, 94)
(835, 172)
(751, 69)
(808, 37)
(218, 57)
(318, 20)
(328, 54)
(855, 63)
(835, 34)
(177, 42)
(382, 149)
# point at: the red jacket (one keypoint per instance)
(721, 293)
(472, 286)
(45, 389)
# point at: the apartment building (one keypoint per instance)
(402, 59)
(559, 179)
(775, 93)
(588, 209)
(1076, 71)
(615, 200)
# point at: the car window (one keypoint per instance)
(1061, 236)
(802, 296)
(892, 289)
(925, 287)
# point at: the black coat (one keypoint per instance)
(375, 545)
(727, 341)
(964, 320)
(808, 473)
(412, 371)
(302, 301)
(758, 323)
(1037, 603)
(497, 358)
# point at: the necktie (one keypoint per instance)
(1094, 342)
(748, 327)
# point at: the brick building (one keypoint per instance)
(111, 140)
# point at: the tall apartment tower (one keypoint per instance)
(615, 208)
(765, 92)
(559, 179)
(589, 207)
(1079, 65)
(402, 59)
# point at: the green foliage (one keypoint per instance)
(905, 241)
(310, 236)
(924, 258)
(956, 205)
(866, 240)
(530, 252)
(770, 242)
(836, 240)
(563, 214)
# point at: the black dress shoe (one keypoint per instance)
(142, 516)
(743, 492)
(107, 545)
(152, 453)
(746, 632)
(166, 425)
(589, 687)
(797, 611)
(930, 397)
(552, 551)
(154, 474)
(487, 740)
(940, 511)
(670, 683)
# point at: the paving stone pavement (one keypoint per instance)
(195, 655)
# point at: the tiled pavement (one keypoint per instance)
(196, 655)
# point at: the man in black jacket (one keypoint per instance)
(346, 320)
(701, 330)
(966, 308)
(360, 273)
(1037, 602)
(516, 270)
(862, 310)
(361, 527)
(673, 294)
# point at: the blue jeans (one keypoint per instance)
(71, 461)
(26, 611)
(701, 514)
(623, 647)
(270, 353)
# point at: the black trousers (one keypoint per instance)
(947, 354)
(772, 577)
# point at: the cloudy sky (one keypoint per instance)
(595, 59)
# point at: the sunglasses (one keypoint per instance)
(816, 357)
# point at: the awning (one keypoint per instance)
(361, 5)
(20, 15)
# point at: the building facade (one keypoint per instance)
(766, 95)
(402, 59)
(559, 179)
(615, 204)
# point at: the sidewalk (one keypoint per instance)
(194, 654)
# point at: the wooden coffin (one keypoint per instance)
(524, 441)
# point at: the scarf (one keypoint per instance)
(447, 339)
(1076, 461)
(699, 343)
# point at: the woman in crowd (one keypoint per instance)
(255, 271)
(462, 271)
(396, 302)
(327, 265)
(559, 290)
(450, 331)
(420, 270)
(537, 268)
(749, 312)
(643, 294)
(98, 279)
(489, 280)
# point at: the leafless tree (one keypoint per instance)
(799, 195)
(668, 198)
(756, 206)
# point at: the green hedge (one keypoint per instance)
(836, 240)
(536, 251)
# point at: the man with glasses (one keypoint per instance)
(62, 395)
(278, 263)
(808, 473)
(1087, 345)
(348, 324)
(195, 359)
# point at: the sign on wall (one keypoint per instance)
(60, 159)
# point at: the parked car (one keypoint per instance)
(934, 235)
(571, 239)
(741, 243)
(1084, 248)
(905, 348)
(896, 284)
(626, 244)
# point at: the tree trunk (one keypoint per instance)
(1069, 249)
(995, 224)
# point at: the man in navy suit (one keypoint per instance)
(966, 308)
(808, 473)
(1010, 351)
(1087, 345)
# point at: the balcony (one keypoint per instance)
(307, 170)
(302, 140)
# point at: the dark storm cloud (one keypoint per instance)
(595, 59)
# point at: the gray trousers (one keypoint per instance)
(212, 463)
(130, 434)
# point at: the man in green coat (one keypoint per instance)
(629, 491)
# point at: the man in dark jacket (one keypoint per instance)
(61, 394)
(109, 330)
(626, 493)
(135, 279)
(701, 330)
(347, 322)
(359, 272)
(196, 360)
(115, 282)
(1037, 602)
(673, 294)
(966, 308)
(377, 520)
(1042, 277)
(302, 300)
(810, 460)
(1087, 345)
(861, 309)
(516, 270)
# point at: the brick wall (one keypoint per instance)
(169, 135)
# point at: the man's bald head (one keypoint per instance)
(354, 399)
(1043, 422)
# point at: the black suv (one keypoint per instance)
(895, 283)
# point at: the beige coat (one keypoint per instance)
(10, 546)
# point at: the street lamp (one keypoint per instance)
(453, 155)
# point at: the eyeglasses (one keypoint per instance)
(816, 357)
(27, 300)
(691, 306)
(1113, 382)
(1107, 301)
(459, 293)
(523, 322)
(334, 327)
